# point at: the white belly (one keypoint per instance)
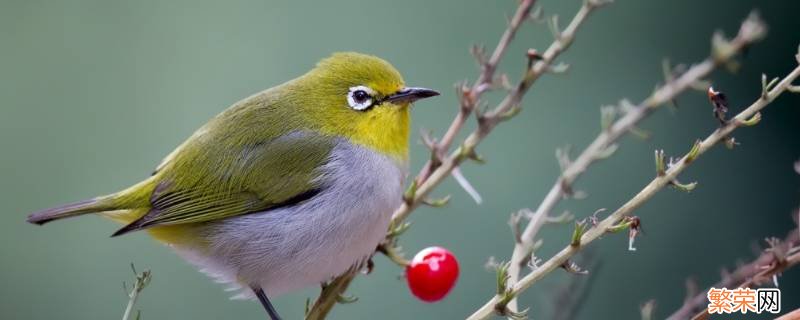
(303, 245)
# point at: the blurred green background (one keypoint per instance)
(94, 93)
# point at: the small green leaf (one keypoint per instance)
(688, 187)
(580, 229)
(693, 153)
(346, 299)
(502, 277)
(755, 119)
(411, 192)
(767, 86)
(437, 203)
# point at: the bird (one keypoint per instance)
(283, 190)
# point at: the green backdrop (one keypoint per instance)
(94, 92)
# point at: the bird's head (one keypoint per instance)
(362, 98)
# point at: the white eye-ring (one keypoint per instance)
(360, 97)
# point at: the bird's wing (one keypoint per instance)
(219, 182)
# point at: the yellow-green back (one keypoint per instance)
(267, 149)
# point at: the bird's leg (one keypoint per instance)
(265, 302)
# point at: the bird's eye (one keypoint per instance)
(360, 97)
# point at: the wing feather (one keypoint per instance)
(226, 182)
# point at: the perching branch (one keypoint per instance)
(330, 295)
(659, 182)
(441, 165)
(722, 53)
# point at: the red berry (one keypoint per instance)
(432, 273)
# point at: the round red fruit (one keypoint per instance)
(432, 273)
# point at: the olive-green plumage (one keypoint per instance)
(244, 159)
(288, 187)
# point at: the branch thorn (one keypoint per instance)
(661, 164)
(639, 133)
(767, 86)
(479, 52)
(607, 116)
(512, 112)
(562, 155)
(536, 15)
(607, 152)
(552, 23)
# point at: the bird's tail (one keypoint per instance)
(135, 197)
(75, 209)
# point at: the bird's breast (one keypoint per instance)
(302, 245)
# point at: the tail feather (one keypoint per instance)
(135, 197)
(70, 210)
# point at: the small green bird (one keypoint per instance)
(283, 190)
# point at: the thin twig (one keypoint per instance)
(142, 280)
(490, 119)
(440, 166)
(748, 33)
(329, 296)
(472, 96)
(658, 183)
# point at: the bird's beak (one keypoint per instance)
(410, 94)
